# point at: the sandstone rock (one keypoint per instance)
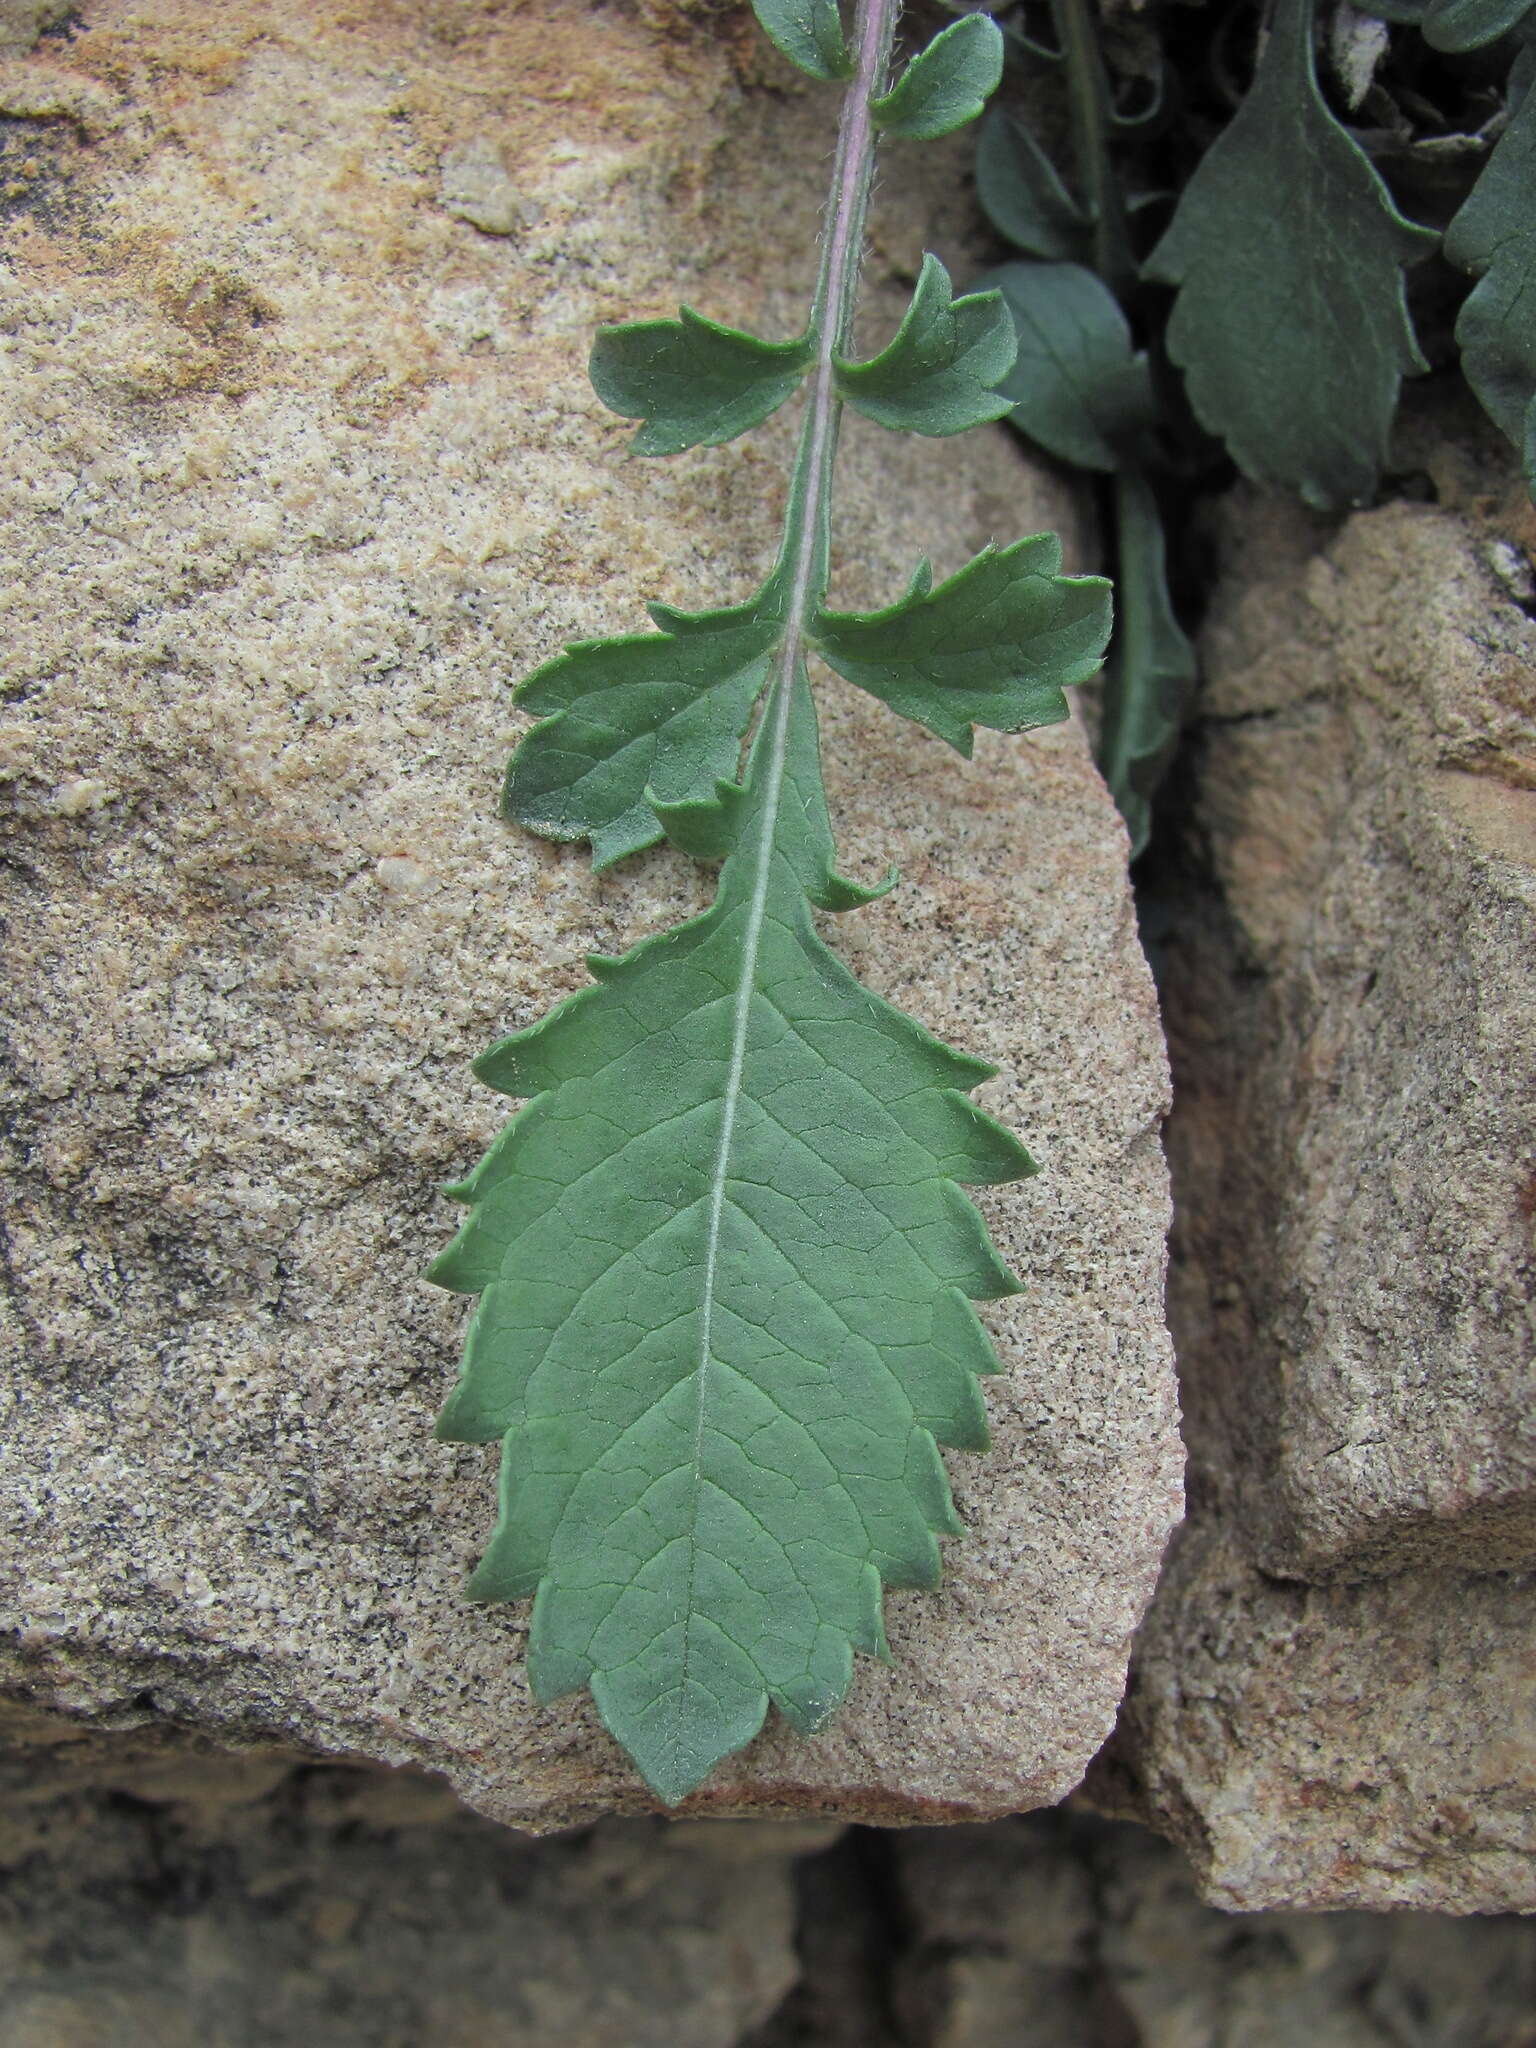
(1348, 971)
(1366, 1745)
(1356, 1017)
(302, 470)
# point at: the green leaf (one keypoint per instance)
(1151, 669)
(995, 645)
(693, 382)
(945, 85)
(725, 1275)
(1494, 237)
(809, 33)
(1022, 195)
(1291, 322)
(1466, 24)
(1078, 388)
(936, 376)
(627, 720)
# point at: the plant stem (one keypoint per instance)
(1088, 109)
(804, 562)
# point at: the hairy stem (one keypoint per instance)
(804, 562)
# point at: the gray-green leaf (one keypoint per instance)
(648, 714)
(1466, 24)
(1151, 668)
(1078, 388)
(1022, 195)
(809, 33)
(1291, 323)
(994, 645)
(693, 382)
(937, 375)
(947, 84)
(1494, 236)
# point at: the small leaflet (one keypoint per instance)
(1023, 196)
(1494, 237)
(937, 374)
(1286, 211)
(947, 84)
(809, 33)
(994, 645)
(1078, 388)
(628, 720)
(693, 382)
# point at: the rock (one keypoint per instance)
(23, 21)
(1355, 1012)
(1345, 934)
(1060, 1932)
(229, 1901)
(1369, 1745)
(304, 472)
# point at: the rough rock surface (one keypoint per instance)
(224, 1901)
(1358, 1026)
(301, 470)
(156, 1895)
(1061, 1933)
(1347, 938)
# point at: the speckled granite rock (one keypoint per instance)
(1348, 945)
(301, 470)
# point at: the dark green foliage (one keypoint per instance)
(1494, 237)
(1079, 387)
(1292, 323)
(1287, 251)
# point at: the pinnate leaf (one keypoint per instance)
(947, 84)
(809, 33)
(1494, 236)
(693, 382)
(1078, 388)
(1291, 323)
(1023, 196)
(937, 375)
(994, 645)
(725, 1275)
(650, 714)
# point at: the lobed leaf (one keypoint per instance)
(937, 375)
(1494, 237)
(725, 1274)
(1023, 196)
(1291, 323)
(945, 85)
(693, 382)
(994, 645)
(628, 720)
(1078, 388)
(1151, 669)
(809, 33)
